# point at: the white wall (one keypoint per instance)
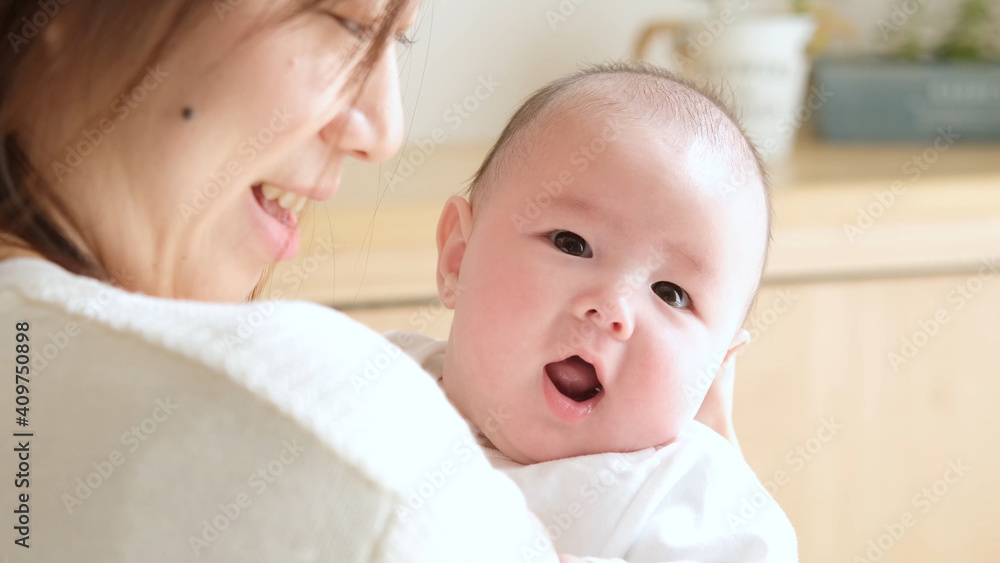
(521, 46)
(461, 41)
(517, 44)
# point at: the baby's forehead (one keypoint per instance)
(692, 130)
(589, 132)
(638, 102)
(667, 155)
(640, 105)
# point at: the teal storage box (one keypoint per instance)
(896, 101)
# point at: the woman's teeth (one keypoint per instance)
(287, 200)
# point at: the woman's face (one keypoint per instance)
(172, 191)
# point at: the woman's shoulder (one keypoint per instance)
(203, 328)
(286, 410)
(356, 392)
(225, 335)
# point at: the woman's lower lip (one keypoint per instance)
(562, 406)
(282, 241)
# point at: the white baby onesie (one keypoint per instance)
(694, 500)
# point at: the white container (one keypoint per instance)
(758, 63)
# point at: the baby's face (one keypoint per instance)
(592, 317)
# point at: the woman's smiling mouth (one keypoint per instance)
(277, 212)
(273, 199)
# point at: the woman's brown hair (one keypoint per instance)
(107, 42)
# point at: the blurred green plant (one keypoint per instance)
(911, 48)
(971, 38)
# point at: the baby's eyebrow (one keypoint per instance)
(696, 264)
(671, 251)
(574, 203)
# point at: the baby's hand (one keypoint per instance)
(716, 411)
(570, 559)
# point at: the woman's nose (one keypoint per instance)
(609, 311)
(372, 129)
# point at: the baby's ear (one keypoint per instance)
(741, 339)
(454, 228)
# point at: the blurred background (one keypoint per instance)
(867, 401)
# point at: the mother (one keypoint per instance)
(156, 155)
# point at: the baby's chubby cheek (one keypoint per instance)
(678, 377)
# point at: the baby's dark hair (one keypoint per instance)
(636, 91)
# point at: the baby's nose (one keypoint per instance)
(614, 315)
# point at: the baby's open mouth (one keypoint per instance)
(575, 378)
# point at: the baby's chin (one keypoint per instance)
(527, 450)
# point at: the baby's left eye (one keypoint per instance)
(671, 294)
(571, 243)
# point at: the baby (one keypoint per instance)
(600, 274)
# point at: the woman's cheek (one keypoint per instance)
(285, 83)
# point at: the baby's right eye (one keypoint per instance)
(570, 243)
